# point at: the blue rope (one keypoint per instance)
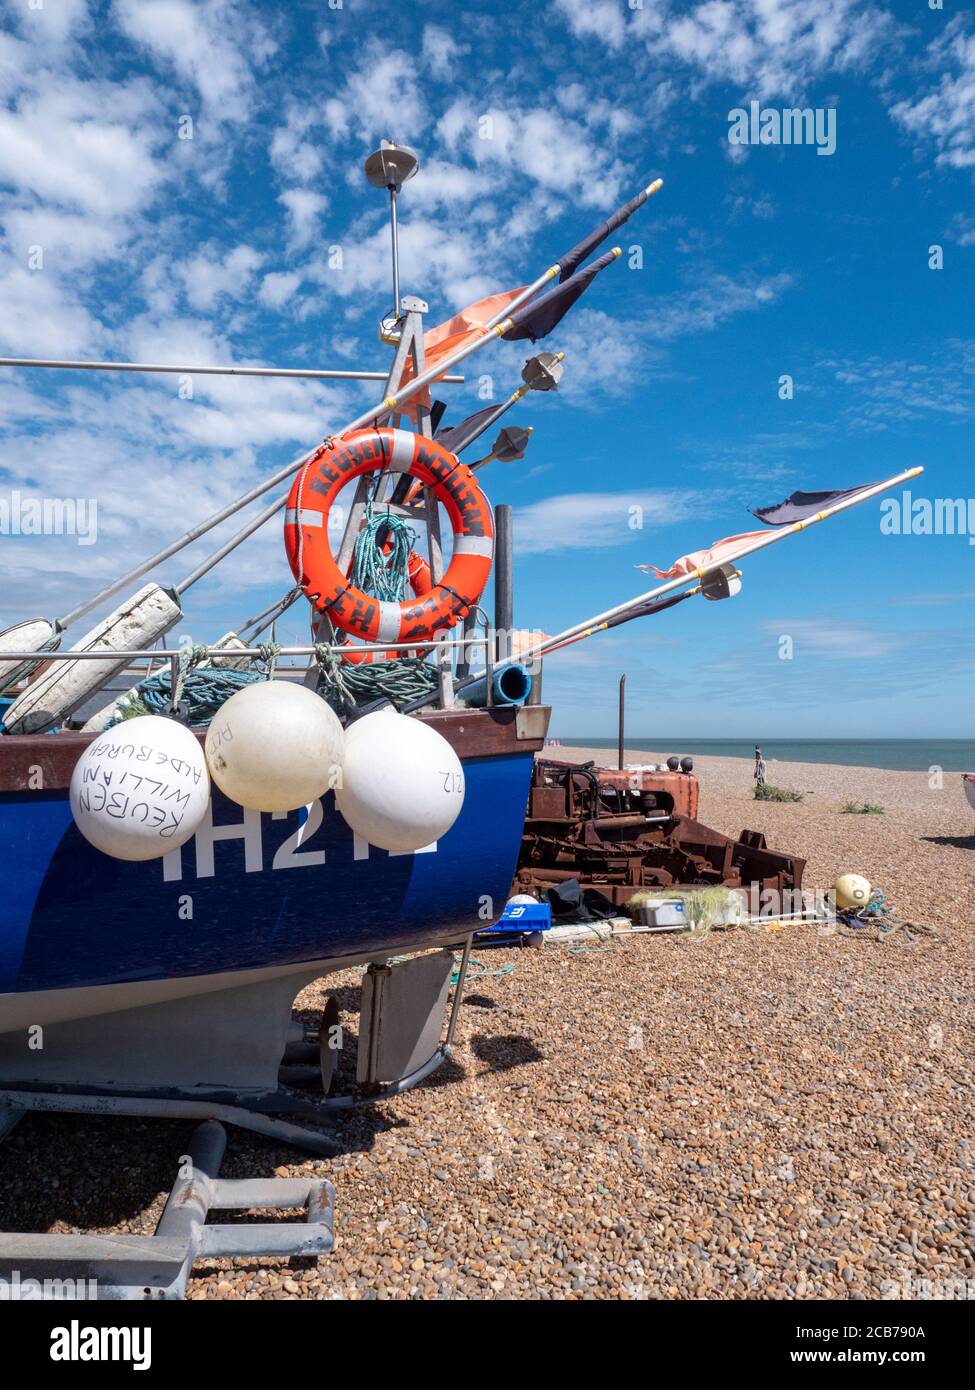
(861, 917)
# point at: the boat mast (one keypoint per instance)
(389, 167)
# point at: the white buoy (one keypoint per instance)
(402, 783)
(274, 746)
(141, 789)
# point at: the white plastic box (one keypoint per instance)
(662, 914)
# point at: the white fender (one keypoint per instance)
(23, 637)
(135, 624)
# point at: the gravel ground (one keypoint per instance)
(754, 1115)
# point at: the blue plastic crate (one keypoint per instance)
(519, 918)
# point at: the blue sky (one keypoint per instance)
(758, 261)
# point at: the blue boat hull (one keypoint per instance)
(248, 892)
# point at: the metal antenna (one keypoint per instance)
(390, 167)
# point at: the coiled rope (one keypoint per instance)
(375, 570)
(348, 684)
(200, 692)
(380, 567)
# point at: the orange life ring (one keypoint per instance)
(418, 573)
(314, 491)
(420, 580)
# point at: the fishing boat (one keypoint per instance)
(165, 986)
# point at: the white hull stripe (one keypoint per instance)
(404, 442)
(308, 517)
(474, 545)
(389, 621)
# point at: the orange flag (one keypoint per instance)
(719, 553)
(444, 340)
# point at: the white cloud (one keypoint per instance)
(41, 318)
(945, 116)
(444, 184)
(826, 639)
(87, 146)
(603, 355)
(442, 52)
(963, 229)
(305, 210)
(438, 259)
(766, 47)
(380, 98)
(884, 392)
(214, 44)
(293, 156)
(68, 240)
(459, 119)
(586, 520)
(213, 273)
(599, 19)
(557, 152)
(712, 301)
(53, 21)
(277, 288)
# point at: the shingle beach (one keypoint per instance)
(754, 1115)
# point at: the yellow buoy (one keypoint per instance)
(852, 891)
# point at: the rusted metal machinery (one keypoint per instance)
(620, 830)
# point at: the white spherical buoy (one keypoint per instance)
(402, 783)
(852, 892)
(274, 746)
(140, 789)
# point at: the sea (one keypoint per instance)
(897, 754)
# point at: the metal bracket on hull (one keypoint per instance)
(127, 1267)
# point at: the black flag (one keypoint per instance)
(455, 437)
(802, 505)
(539, 316)
(574, 258)
(656, 605)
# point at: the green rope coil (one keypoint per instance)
(383, 575)
(201, 691)
(348, 684)
(373, 570)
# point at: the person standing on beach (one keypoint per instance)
(760, 768)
